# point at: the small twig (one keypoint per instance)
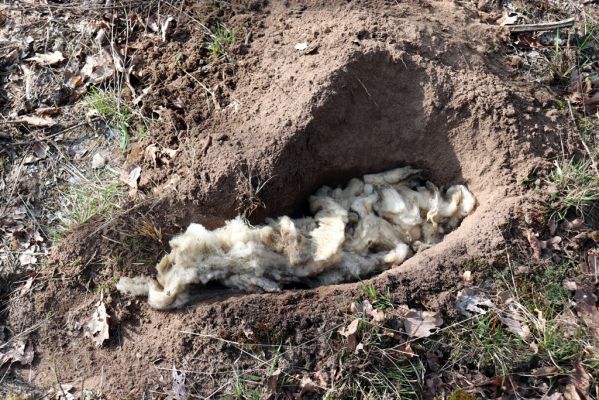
(12, 189)
(367, 92)
(65, 130)
(207, 145)
(210, 92)
(64, 395)
(543, 26)
(584, 144)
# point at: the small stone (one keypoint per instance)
(99, 161)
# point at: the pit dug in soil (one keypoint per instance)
(352, 232)
(429, 96)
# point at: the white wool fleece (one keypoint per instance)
(370, 225)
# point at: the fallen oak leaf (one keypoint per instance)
(422, 324)
(96, 327)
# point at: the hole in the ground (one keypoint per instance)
(352, 232)
(377, 113)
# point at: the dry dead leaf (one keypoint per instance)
(378, 315)
(150, 154)
(467, 277)
(250, 334)
(515, 326)
(406, 350)
(307, 385)
(28, 257)
(27, 286)
(40, 149)
(16, 351)
(553, 396)
(131, 179)
(570, 285)
(545, 371)
(535, 245)
(171, 153)
(421, 324)
(578, 384)
(99, 161)
(351, 334)
(527, 41)
(61, 392)
(576, 225)
(509, 18)
(98, 67)
(164, 27)
(178, 392)
(359, 348)
(73, 79)
(96, 328)
(271, 385)
(134, 177)
(33, 120)
(47, 58)
(550, 243)
(590, 316)
(47, 111)
(590, 263)
(369, 310)
(470, 301)
(356, 307)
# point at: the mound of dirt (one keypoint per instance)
(403, 85)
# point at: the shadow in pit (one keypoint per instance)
(375, 115)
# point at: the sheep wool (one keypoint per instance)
(372, 224)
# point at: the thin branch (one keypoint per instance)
(584, 144)
(543, 26)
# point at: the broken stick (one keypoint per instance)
(543, 26)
